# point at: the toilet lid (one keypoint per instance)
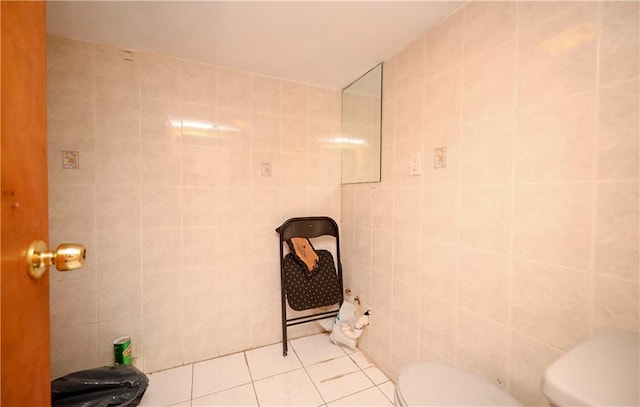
(436, 384)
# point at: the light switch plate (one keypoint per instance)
(415, 164)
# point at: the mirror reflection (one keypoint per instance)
(361, 128)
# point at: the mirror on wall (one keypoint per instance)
(361, 128)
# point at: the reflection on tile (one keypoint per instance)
(168, 387)
(316, 348)
(268, 361)
(219, 374)
(288, 389)
(375, 375)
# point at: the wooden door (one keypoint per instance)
(24, 305)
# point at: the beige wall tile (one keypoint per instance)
(488, 88)
(233, 171)
(234, 129)
(485, 218)
(486, 151)
(295, 135)
(558, 58)
(618, 128)
(199, 166)
(74, 349)
(73, 303)
(487, 25)
(117, 208)
(266, 95)
(117, 113)
(199, 125)
(160, 120)
(119, 298)
(550, 303)
(117, 68)
(199, 207)
(72, 208)
(117, 253)
(443, 101)
(482, 347)
(117, 161)
(615, 304)
(552, 223)
(389, 77)
(619, 49)
(406, 259)
(160, 164)
(265, 132)
(158, 74)
(156, 243)
(382, 208)
(444, 45)
(439, 270)
(295, 100)
(440, 213)
(555, 140)
(381, 256)
(407, 211)
(199, 83)
(160, 335)
(70, 112)
(161, 207)
(409, 109)
(364, 203)
(324, 104)
(438, 321)
(483, 284)
(234, 90)
(70, 63)
(410, 66)
(616, 230)
(529, 360)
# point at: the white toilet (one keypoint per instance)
(437, 384)
(600, 372)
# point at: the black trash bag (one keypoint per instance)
(117, 385)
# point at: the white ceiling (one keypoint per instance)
(329, 43)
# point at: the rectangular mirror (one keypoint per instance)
(361, 128)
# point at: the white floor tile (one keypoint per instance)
(375, 375)
(371, 397)
(168, 387)
(219, 374)
(288, 389)
(315, 349)
(387, 388)
(338, 378)
(268, 361)
(361, 359)
(238, 396)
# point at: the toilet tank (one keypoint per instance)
(600, 372)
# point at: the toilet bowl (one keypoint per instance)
(437, 384)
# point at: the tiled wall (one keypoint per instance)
(170, 200)
(527, 242)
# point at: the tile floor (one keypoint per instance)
(315, 373)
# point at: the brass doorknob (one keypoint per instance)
(67, 256)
